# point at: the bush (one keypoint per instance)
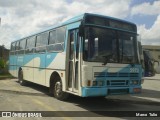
(2, 63)
(3, 68)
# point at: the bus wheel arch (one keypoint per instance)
(56, 87)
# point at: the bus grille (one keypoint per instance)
(117, 83)
(116, 74)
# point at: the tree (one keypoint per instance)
(2, 63)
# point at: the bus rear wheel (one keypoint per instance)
(20, 78)
(57, 90)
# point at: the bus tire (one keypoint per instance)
(20, 78)
(57, 89)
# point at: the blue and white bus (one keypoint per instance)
(88, 55)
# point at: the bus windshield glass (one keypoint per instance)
(110, 46)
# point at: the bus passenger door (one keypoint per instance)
(73, 72)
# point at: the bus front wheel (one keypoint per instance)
(57, 92)
(20, 78)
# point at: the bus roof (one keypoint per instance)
(72, 20)
(80, 17)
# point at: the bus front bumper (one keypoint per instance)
(103, 91)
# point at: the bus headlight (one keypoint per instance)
(94, 83)
(134, 82)
(100, 83)
(97, 83)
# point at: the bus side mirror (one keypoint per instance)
(81, 30)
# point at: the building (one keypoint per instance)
(155, 51)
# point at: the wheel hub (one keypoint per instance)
(58, 88)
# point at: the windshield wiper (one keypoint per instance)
(107, 58)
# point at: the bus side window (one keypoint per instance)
(52, 37)
(22, 44)
(42, 41)
(17, 45)
(56, 40)
(13, 46)
(60, 38)
(52, 41)
(61, 34)
(30, 44)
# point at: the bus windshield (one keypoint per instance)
(110, 46)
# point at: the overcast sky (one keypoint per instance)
(20, 18)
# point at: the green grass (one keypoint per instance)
(5, 76)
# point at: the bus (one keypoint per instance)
(149, 63)
(89, 55)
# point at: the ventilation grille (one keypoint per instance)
(116, 83)
(109, 74)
